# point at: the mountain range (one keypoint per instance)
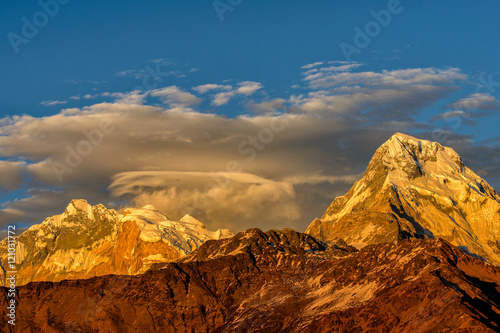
(278, 281)
(87, 241)
(412, 247)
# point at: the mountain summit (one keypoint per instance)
(416, 189)
(87, 241)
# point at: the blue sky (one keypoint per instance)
(264, 41)
(419, 73)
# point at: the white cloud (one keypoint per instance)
(173, 96)
(132, 97)
(338, 76)
(374, 105)
(52, 102)
(476, 102)
(135, 73)
(94, 82)
(248, 88)
(451, 114)
(245, 88)
(268, 107)
(202, 89)
(311, 65)
(318, 72)
(158, 70)
(394, 96)
(223, 98)
(222, 197)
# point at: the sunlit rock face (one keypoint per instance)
(87, 241)
(416, 189)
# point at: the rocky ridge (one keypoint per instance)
(278, 281)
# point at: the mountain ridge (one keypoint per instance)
(278, 281)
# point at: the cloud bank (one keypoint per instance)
(280, 165)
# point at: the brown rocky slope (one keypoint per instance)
(278, 281)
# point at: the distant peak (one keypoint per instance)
(403, 137)
(401, 140)
(188, 218)
(402, 144)
(150, 207)
(78, 205)
(79, 202)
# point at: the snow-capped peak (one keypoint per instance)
(189, 219)
(148, 213)
(77, 206)
(88, 240)
(408, 157)
(416, 188)
(184, 235)
(414, 163)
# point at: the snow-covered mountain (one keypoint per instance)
(88, 241)
(416, 189)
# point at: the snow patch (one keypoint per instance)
(184, 235)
